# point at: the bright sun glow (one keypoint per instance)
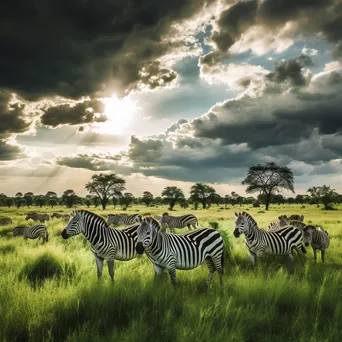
(119, 113)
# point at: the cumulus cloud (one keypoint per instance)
(10, 151)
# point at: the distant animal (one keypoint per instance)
(318, 238)
(260, 242)
(183, 251)
(37, 217)
(62, 216)
(123, 219)
(32, 232)
(172, 222)
(106, 243)
(293, 217)
(4, 221)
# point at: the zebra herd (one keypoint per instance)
(170, 251)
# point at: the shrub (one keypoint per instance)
(227, 245)
(256, 205)
(214, 225)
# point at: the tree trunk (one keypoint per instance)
(267, 201)
(103, 203)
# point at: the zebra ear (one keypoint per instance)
(236, 214)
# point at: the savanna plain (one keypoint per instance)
(50, 292)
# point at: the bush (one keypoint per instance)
(214, 225)
(256, 205)
(227, 245)
(45, 266)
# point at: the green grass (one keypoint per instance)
(50, 292)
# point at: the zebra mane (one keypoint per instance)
(90, 213)
(154, 221)
(249, 217)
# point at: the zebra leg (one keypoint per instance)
(99, 265)
(189, 227)
(315, 254)
(110, 264)
(157, 272)
(193, 226)
(252, 258)
(172, 273)
(212, 268)
(290, 257)
(322, 255)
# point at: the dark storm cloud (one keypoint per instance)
(73, 48)
(322, 18)
(232, 22)
(84, 112)
(290, 71)
(12, 116)
(10, 152)
(145, 151)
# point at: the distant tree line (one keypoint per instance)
(109, 189)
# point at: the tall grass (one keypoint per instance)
(50, 292)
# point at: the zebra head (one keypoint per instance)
(307, 234)
(74, 227)
(146, 233)
(164, 220)
(241, 224)
(18, 230)
(112, 219)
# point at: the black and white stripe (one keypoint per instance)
(4, 221)
(32, 232)
(106, 243)
(65, 217)
(260, 242)
(181, 252)
(37, 217)
(172, 222)
(123, 220)
(318, 238)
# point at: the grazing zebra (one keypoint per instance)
(318, 238)
(37, 217)
(4, 221)
(293, 217)
(183, 251)
(123, 220)
(106, 244)
(62, 216)
(260, 242)
(173, 222)
(32, 232)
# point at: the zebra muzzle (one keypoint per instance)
(306, 244)
(139, 248)
(64, 234)
(236, 233)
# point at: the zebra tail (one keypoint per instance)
(47, 236)
(222, 261)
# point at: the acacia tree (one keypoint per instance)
(105, 187)
(202, 193)
(172, 195)
(147, 198)
(126, 200)
(323, 194)
(268, 179)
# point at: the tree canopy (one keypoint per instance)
(268, 179)
(173, 195)
(202, 193)
(105, 187)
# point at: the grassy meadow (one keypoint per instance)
(50, 292)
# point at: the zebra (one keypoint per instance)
(173, 222)
(260, 242)
(62, 216)
(106, 243)
(32, 232)
(37, 217)
(294, 217)
(157, 217)
(123, 220)
(318, 238)
(183, 251)
(4, 221)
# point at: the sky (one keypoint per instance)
(169, 93)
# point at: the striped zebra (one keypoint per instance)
(318, 238)
(32, 232)
(4, 221)
(173, 222)
(65, 217)
(183, 251)
(260, 242)
(123, 219)
(294, 217)
(157, 217)
(37, 217)
(106, 244)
